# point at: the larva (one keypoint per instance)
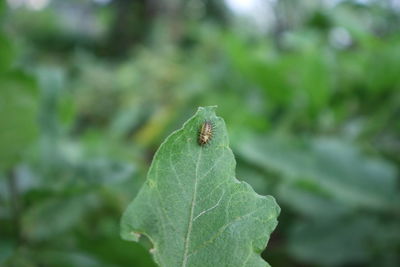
(205, 133)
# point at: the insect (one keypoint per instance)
(206, 133)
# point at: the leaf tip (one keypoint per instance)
(208, 108)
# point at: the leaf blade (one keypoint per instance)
(193, 209)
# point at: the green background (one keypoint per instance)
(309, 90)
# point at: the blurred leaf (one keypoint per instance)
(193, 209)
(18, 116)
(6, 250)
(331, 185)
(330, 168)
(54, 217)
(309, 199)
(54, 257)
(6, 53)
(116, 251)
(331, 243)
(321, 241)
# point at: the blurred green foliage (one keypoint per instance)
(89, 89)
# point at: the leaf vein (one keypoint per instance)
(210, 209)
(192, 206)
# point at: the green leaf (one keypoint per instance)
(321, 242)
(327, 168)
(6, 53)
(194, 210)
(63, 213)
(18, 116)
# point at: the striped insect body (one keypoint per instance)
(206, 133)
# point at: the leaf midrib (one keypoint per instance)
(193, 204)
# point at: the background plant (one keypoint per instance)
(89, 89)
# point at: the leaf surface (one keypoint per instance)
(194, 210)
